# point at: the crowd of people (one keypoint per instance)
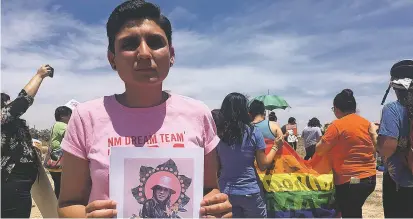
(233, 138)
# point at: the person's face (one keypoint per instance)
(162, 193)
(337, 112)
(142, 53)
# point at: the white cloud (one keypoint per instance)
(302, 51)
(180, 13)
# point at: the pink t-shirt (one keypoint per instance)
(97, 125)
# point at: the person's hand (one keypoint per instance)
(101, 209)
(216, 206)
(373, 129)
(44, 71)
(279, 142)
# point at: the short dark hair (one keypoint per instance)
(345, 101)
(62, 111)
(291, 120)
(272, 117)
(4, 98)
(135, 9)
(256, 108)
(314, 122)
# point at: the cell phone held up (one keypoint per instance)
(50, 71)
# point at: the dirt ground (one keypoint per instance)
(371, 209)
(35, 211)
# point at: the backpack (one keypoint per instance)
(53, 159)
(292, 133)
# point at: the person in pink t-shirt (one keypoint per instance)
(140, 50)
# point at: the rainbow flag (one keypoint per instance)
(298, 188)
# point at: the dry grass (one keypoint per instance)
(371, 209)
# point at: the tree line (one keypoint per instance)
(42, 135)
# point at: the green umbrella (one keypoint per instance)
(272, 102)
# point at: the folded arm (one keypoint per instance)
(386, 146)
(389, 131)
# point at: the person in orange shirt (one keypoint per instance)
(348, 144)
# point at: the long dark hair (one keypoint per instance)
(4, 98)
(235, 119)
(405, 98)
(345, 101)
(216, 115)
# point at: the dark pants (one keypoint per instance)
(397, 202)
(16, 199)
(56, 181)
(294, 145)
(351, 197)
(248, 206)
(309, 152)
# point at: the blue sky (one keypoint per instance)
(306, 51)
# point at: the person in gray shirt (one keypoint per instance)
(311, 135)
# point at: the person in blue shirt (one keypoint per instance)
(269, 129)
(394, 144)
(242, 144)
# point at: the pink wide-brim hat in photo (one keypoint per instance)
(165, 182)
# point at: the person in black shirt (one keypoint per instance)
(19, 161)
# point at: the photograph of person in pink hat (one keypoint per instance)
(163, 189)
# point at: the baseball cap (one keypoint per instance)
(401, 76)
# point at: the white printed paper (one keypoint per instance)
(72, 104)
(156, 182)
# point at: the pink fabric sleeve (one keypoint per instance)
(210, 136)
(74, 141)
